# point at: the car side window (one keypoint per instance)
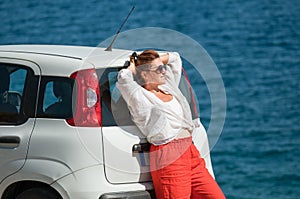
(13, 79)
(55, 99)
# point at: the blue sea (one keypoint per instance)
(256, 47)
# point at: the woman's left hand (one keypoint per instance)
(164, 58)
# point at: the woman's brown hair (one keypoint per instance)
(142, 61)
(145, 57)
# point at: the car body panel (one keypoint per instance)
(94, 185)
(13, 158)
(124, 165)
(53, 140)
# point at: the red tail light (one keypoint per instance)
(87, 112)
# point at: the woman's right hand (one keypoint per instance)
(131, 67)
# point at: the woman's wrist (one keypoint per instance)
(165, 58)
(132, 69)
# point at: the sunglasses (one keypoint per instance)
(160, 69)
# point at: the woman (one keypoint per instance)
(163, 115)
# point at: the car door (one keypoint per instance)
(125, 148)
(18, 91)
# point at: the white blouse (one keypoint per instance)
(158, 122)
(174, 115)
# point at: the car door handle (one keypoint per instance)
(141, 147)
(9, 142)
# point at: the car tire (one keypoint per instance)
(38, 193)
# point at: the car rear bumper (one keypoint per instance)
(130, 195)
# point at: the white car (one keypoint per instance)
(65, 130)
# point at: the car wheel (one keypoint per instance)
(38, 193)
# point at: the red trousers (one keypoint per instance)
(178, 172)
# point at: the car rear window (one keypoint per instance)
(114, 108)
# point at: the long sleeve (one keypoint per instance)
(175, 64)
(126, 84)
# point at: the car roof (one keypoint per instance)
(65, 59)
